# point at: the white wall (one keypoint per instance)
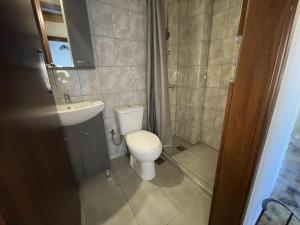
(278, 137)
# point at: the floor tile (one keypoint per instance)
(122, 170)
(149, 204)
(109, 208)
(97, 185)
(179, 189)
(195, 214)
(200, 160)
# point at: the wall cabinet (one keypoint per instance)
(87, 146)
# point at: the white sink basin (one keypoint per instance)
(75, 113)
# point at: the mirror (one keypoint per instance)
(57, 33)
(64, 29)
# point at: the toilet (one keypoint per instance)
(144, 146)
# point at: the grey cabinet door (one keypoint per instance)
(93, 146)
(87, 147)
(79, 33)
(73, 145)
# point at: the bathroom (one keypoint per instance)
(139, 94)
(200, 64)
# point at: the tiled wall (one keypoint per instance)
(118, 30)
(193, 43)
(172, 12)
(287, 188)
(222, 54)
(201, 51)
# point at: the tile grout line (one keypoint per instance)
(127, 201)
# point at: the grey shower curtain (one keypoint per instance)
(158, 111)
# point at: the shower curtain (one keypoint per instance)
(158, 111)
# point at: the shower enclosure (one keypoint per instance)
(202, 49)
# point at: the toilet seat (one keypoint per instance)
(143, 141)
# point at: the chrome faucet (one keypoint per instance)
(67, 98)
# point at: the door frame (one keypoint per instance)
(265, 27)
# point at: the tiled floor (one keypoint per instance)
(199, 159)
(124, 199)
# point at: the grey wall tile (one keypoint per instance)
(127, 98)
(101, 18)
(216, 52)
(195, 25)
(184, 10)
(229, 50)
(209, 116)
(172, 57)
(227, 75)
(182, 78)
(207, 135)
(173, 39)
(120, 3)
(197, 7)
(211, 98)
(122, 52)
(235, 2)
(138, 53)
(214, 76)
(137, 5)
(198, 52)
(138, 78)
(140, 99)
(172, 75)
(137, 29)
(106, 71)
(105, 51)
(124, 80)
(109, 84)
(120, 20)
(111, 101)
(108, 80)
(173, 11)
(221, 98)
(233, 20)
(220, 5)
(180, 129)
(183, 55)
(172, 96)
(219, 25)
(89, 81)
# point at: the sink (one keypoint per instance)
(75, 113)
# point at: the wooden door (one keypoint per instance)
(265, 37)
(37, 185)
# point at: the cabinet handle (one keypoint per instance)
(65, 139)
(84, 133)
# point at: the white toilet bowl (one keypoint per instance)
(145, 147)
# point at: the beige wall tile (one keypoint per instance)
(101, 18)
(120, 21)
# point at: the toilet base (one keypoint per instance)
(145, 170)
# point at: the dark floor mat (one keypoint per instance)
(180, 148)
(159, 161)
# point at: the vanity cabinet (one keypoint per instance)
(87, 146)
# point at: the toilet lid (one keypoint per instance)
(142, 140)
